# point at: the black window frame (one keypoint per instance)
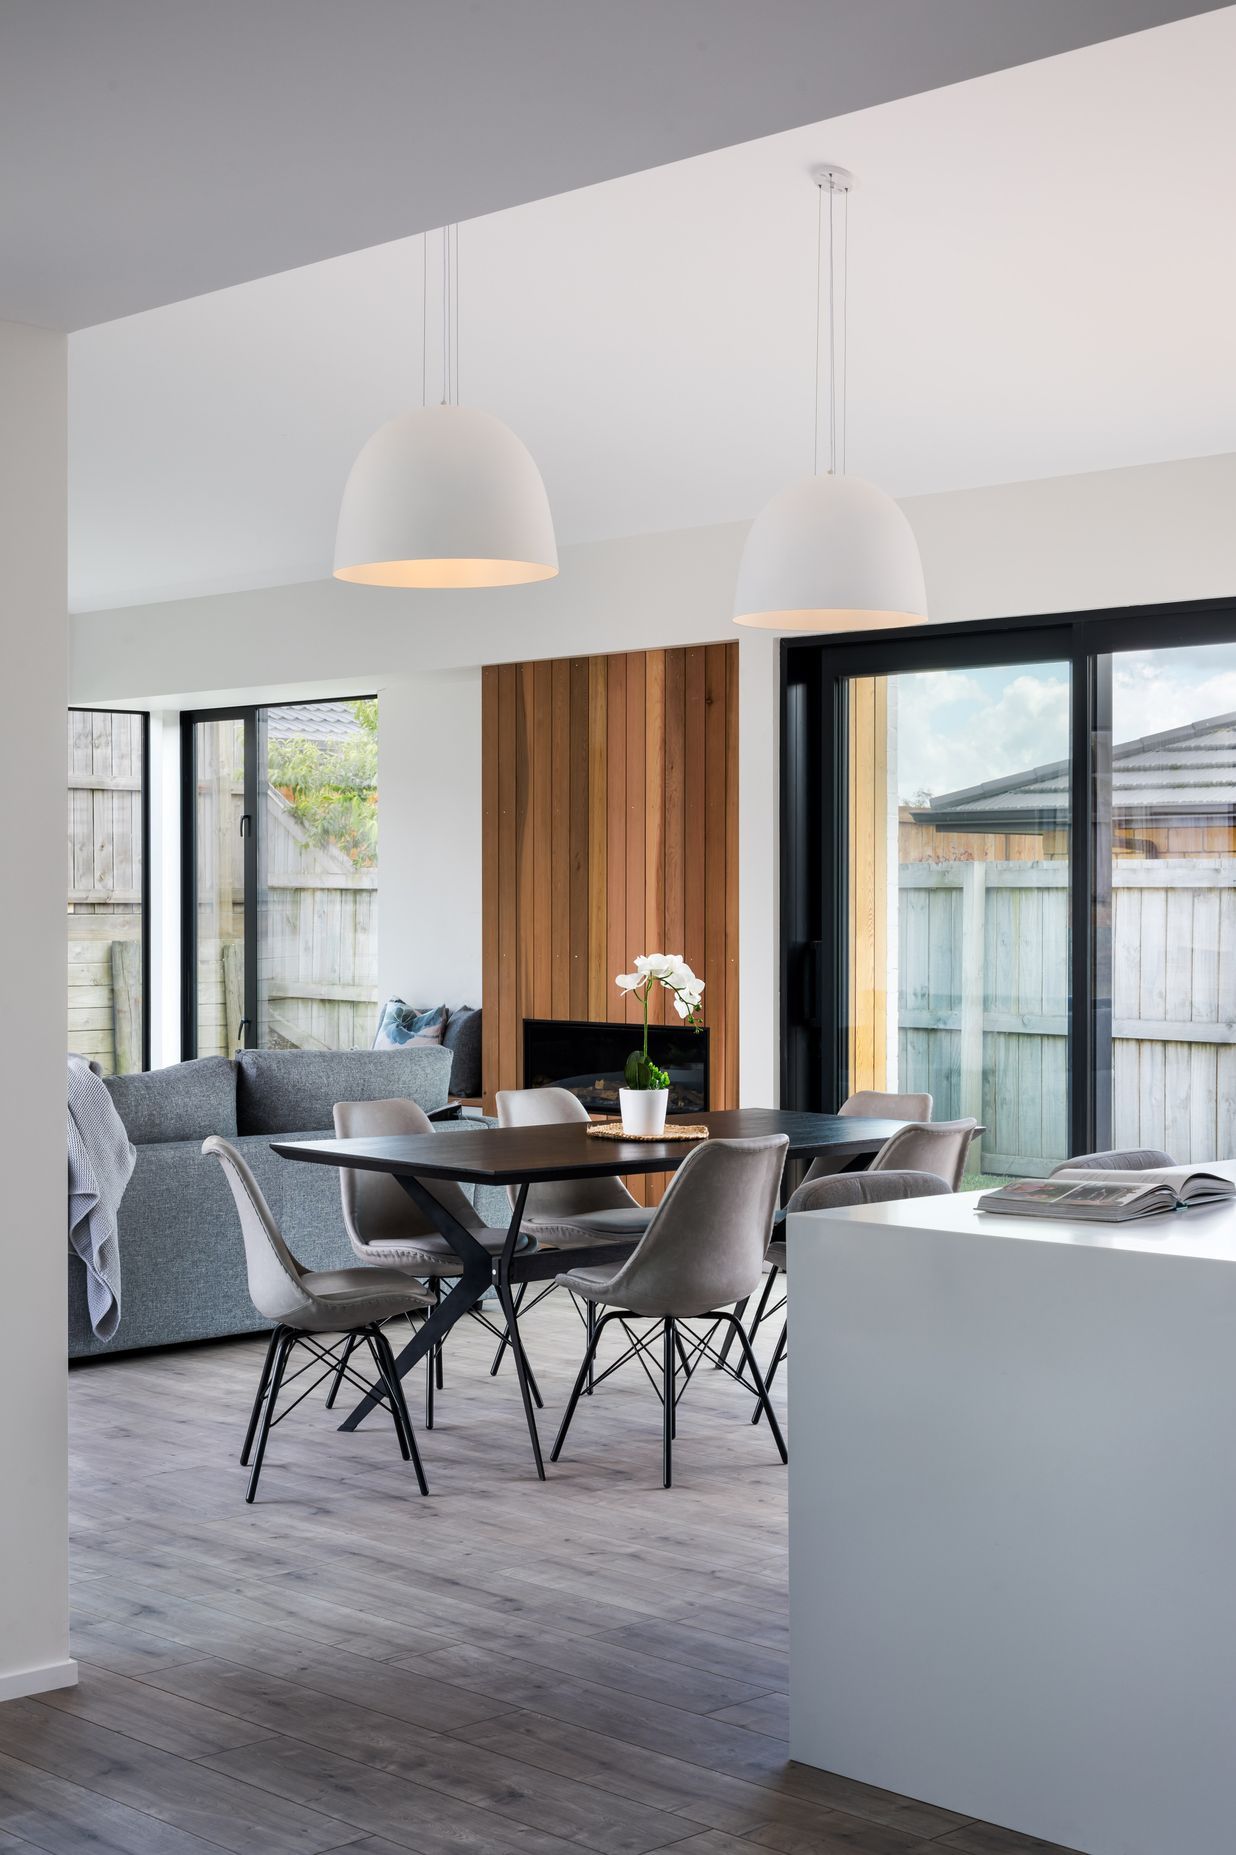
(814, 927)
(143, 715)
(251, 714)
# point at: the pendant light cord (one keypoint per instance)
(455, 345)
(450, 317)
(819, 278)
(832, 333)
(424, 319)
(830, 183)
(845, 325)
(446, 317)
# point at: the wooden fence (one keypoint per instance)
(318, 965)
(104, 888)
(317, 961)
(983, 995)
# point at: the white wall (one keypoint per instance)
(429, 839)
(1116, 537)
(34, 1649)
(1122, 537)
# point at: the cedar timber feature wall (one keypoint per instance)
(610, 828)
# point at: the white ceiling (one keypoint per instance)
(1043, 272)
(154, 149)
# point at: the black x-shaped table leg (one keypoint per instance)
(479, 1274)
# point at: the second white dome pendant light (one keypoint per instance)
(445, 496)
(830, 552)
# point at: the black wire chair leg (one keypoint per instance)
(761, 1310)
(590, 1327)
(385, 1360)
(765, 1400)
(581, 1379)
(431, 1382)
(668, 1401)
(263, 1385)
(739, 1311)
(348, 1348)
(371, 1335)
(505, 1341)
(287, 1340)
(778, 1356)
(527, 1384)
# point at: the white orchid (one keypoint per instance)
(671, 971)
(657, 965)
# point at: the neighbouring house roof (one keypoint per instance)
(1182, 776)
(311, 721)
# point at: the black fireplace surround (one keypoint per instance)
(589, 1059)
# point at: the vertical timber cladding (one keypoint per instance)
(610, 828)
(868, 832)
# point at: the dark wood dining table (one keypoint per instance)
(520, 1157)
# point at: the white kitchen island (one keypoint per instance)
(1013, 1517)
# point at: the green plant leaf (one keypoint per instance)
(642, 1073)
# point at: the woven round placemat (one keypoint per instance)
(612, 1130)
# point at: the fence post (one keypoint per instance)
(126, 972)
(232, 954)
(973, 982)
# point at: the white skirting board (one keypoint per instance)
(19, 1682)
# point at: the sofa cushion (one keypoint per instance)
(400, 1023)
(462, 1037)
(184, 1102)
(283, 1091)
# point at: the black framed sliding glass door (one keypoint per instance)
(1001, 887)
(279, 860)
(1172, 883)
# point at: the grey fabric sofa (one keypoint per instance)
(181, 1256)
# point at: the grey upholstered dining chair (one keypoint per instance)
(603, 1207)
(702, 1251)
(837, 1193)
(306, 1304)
(938, 1147)
(929, 1146)
(1130, 1159)
(386, 1228)
(572, 1210)
(875, 1105)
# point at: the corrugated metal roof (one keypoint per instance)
(1183, 772)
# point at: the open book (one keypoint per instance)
(1110, 1197)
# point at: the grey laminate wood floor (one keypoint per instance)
(504, 1669)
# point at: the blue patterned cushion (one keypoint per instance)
(401, 1023)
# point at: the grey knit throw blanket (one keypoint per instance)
(101, 1163)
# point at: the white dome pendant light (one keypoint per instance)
(830, 552)
(447, 495)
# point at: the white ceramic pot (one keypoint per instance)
(643, 1110)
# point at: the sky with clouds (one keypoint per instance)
(957, 728)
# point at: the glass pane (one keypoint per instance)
(959, 902)
(105, 978)
(318, 881)
(219, 757)
(1174, 900)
